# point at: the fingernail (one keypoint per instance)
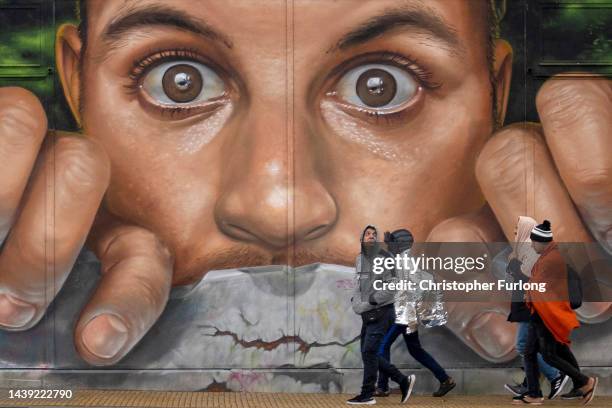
(15, 313)
(105, 335)
(492, 332)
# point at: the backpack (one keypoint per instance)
(574, 288)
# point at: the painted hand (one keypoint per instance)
(52, 184)
(560, 170)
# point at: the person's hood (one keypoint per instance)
(373, 248)
(367, 227)
(522, 249)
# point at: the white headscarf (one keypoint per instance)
(522, 249)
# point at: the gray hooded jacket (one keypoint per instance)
(365, 297)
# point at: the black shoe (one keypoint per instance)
(445, 387)
(381, 393)
(361, 400)
(573, 394)
(527, 400)
(406, 387)
(516, 389)
(556, 385)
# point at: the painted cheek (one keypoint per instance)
(200, 134)
(351, 130)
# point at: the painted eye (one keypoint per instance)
(182, 82)
(377, 86)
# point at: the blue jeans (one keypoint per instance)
(521, 346)
(414, 348)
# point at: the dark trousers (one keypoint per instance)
(372, 335)
(558, 355)
(414, 348)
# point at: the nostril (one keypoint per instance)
(239, 232)
(316, 232)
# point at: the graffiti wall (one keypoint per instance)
(184, 183)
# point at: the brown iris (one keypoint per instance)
(182, 83)
(376, 87)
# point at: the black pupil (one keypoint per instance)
(182, 83)
(376, 87)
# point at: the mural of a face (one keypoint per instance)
(240, 133)
(259, 133)
(281, 146)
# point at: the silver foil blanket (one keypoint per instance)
(414, 307)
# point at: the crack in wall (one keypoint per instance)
(303, 346)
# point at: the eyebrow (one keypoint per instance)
(417, 19)
(160, 15)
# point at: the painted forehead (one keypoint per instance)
(429, 13)
(446, 25)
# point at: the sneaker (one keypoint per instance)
(573, 394)
(361, 400)
(556, 385)
(445, 387)
(516, 389)
(526, 399)
(381, 393)
(589, 390)
(406, 387)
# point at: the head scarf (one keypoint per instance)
(522, 249)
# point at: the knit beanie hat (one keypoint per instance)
(542, 232)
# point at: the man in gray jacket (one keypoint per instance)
(377, 315)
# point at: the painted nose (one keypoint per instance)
(273, 214)
(270, 192)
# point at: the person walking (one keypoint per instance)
(552, 321)
(412, 310)
(521, 260)
(377, 314)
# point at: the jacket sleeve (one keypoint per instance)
(385, 296)
(431, 310)
(514, 270)
(357, 304)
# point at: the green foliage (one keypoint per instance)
(578, 32)
(27, 52)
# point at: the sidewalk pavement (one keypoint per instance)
(154, 399)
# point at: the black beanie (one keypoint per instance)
(400, 240)
(542, 232)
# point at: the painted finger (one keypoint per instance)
(58, 209)
(23, 125)
(133, 291)
(482, 326)
(576, 115)
(518, 177)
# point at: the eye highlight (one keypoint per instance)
(377, 86)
